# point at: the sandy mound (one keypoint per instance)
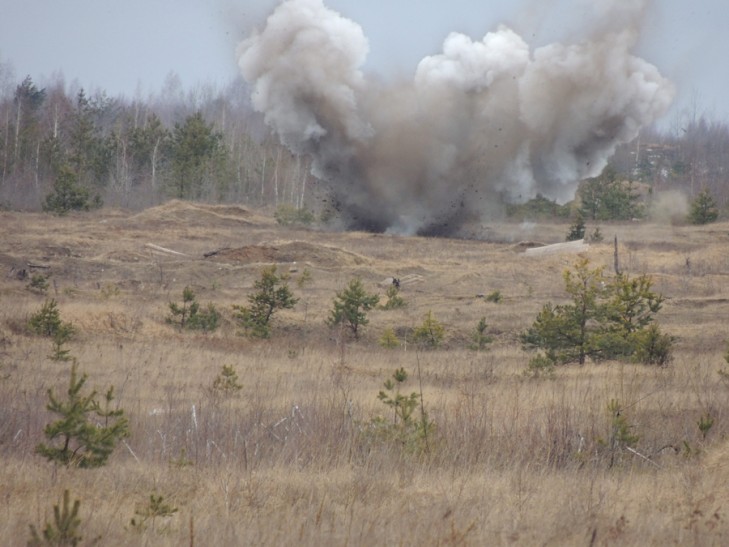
(322, 256)
(199, 214)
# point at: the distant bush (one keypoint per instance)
(479, 338)
(389, 339)
(703, 209)
(607, 198)
(287, 214)
(68, 195)
(538, 208)
(188, 314)
(64, 530)
(47, 321)
(394, 300)
(607, 319)
(577, 229)
(430, 333)
(38, 284)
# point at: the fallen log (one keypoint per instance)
(164, 250)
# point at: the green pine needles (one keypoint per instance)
(86, 433)
(350, 307)
(406, 427)
(272, 294)
(188, 314)
(606, 319)
(64, 530)
(430, 333)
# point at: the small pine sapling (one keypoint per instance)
(350, 307)
(577, 229)
(494, 297)
(705, 423)
(47, 321)
(64, 530)
(60, 338)
(389, 339)
(394, 300)
(621, 434)
(305, 278)
(38, 284)
(479, 338)
(77, 439)
(272, 294)
(430, 333)
(405, 427)
(403, 406)
(188, 315)
(226, 383)
(155, 509)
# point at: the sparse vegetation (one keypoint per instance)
(234, 432)
(38, 284)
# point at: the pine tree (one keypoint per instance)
(272, 294)
(76, 440)
(703, 209)
(350, 307)
(430, 333)
(605, 320)
(65, 527)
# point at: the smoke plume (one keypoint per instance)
(481, 123)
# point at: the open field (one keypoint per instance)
(288, 460)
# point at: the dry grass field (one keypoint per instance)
(287, 460)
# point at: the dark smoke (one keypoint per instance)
(481, 123)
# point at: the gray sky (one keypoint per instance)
(130, 46)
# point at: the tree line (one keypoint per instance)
(208, 144)
(205, 145)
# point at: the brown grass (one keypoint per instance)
(286, 460)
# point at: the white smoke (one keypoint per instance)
(483, 122)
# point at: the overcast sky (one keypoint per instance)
(131, 46)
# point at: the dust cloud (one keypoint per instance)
(481, 123)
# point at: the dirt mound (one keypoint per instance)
(199, 214)
(322, 256)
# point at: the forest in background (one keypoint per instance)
(207, 144)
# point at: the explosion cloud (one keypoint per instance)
(481, 123)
